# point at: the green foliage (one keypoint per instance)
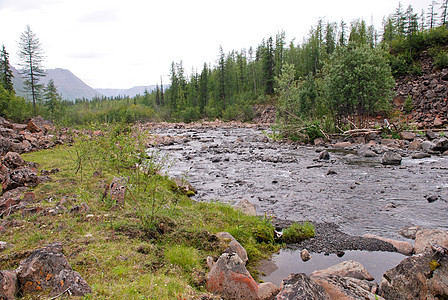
(407, 106)
(297, 232)
(185, 257)
(264, 232)
(441, 60)
(357, 81)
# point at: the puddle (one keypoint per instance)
(289, 261)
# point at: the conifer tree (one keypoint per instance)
(52, 98)
(443, 16)
(6, 75)
(342, 37)
(432, 14)
(31, 56)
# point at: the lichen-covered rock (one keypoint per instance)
(233, 245)
(346, 288)
(8, 285)
(416, 278)
(230, 278)
(39, 271)
(348, 268)
(300, 286)
(425, 238)
(70, 282)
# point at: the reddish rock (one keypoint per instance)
(229, 278)
(117, 189)
(402, 247)
(438, 122)
(38, 124)
(38, 272)
(12, 160)
(233, 245)
(8, 285)
(424, 238)
(20, 177)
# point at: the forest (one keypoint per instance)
(339, 76)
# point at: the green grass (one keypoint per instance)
(297, 232)
(134, 251)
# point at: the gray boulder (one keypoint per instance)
(391, 158)
(441, 144)
(246, 207)
(428, 145)
(409, 136)
(347, 268)
(70, 282)
(430, 135)
(300, 286)
(366, 151)
(423, 276)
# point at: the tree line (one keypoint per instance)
(322, 83)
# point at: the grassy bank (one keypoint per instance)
(154, 246)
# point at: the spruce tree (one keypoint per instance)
(31, 56)
(432, 14)
(52, 98)
(443, 16)
(6, 75)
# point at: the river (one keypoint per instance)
(284, 180)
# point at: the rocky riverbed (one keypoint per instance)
(288, 181)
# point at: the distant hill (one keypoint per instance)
(70, 86)
(136, 90)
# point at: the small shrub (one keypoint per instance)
(298, 232)
(441, 60)
(407, 106)
(182, 256)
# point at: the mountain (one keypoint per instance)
(70, 86)
(136, 90)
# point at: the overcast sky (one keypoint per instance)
(121, 44)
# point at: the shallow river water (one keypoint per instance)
(230, 164)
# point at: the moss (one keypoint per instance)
(433, 265)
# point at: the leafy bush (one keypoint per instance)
(298, 232)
